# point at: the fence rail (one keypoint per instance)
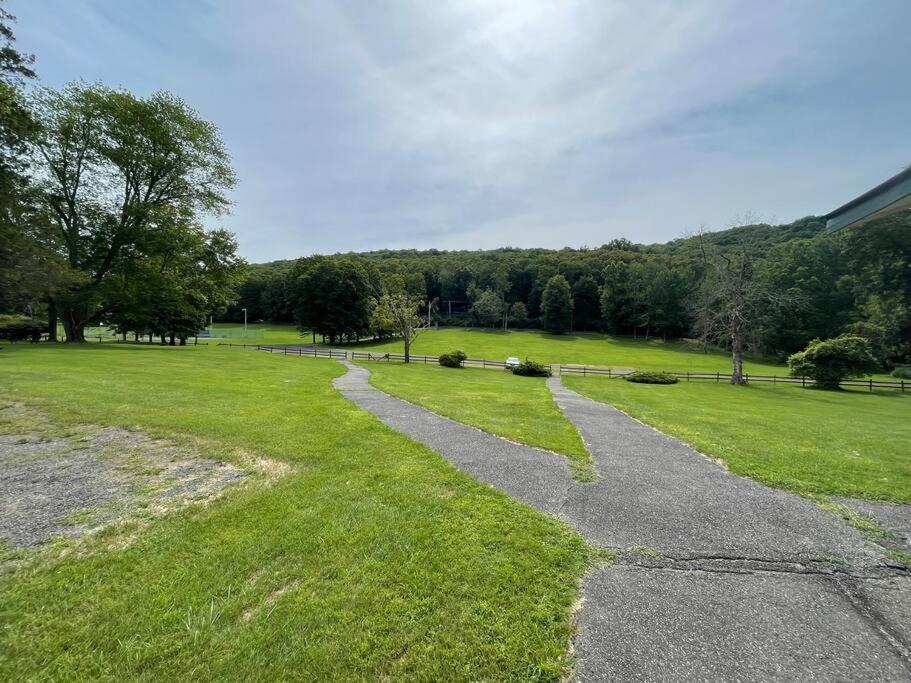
(584, 370)
(871, 384)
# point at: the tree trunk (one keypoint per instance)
(407, 346)
(73, 319)
(52, 320)
(164, 340)
(172, 341)
(737, 360)
(183, 341)
(151, 338)
(75, 331)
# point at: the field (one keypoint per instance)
(367, 557)
(579, 349)
(349, 551)
(518, 408)
(850, 443)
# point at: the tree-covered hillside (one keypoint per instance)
(793, 282)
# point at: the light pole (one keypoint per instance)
(245, 323)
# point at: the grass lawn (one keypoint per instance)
(577, 349)
(519, 408)
(371, 558)
(849, 443)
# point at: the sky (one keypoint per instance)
(356, 126)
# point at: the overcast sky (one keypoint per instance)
(364, 125)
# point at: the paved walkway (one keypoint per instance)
(718, 577)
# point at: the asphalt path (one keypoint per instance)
(717, 577)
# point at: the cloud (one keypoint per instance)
(360, 125)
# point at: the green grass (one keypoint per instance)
(518, 408)
(574, 349)
(371, 558)
(850, 443)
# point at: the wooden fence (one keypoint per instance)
(584, 370)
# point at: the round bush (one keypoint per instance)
(651, 378)
(453, 359)
(830, 361)
(529, 368)
(902, 372)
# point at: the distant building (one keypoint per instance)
(885, 199)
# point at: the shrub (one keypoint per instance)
(651, 378)
(529, 368)
(453, 359)
(20, 328)
(829, 362)
(902, 371)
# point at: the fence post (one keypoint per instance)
(717, 377)
(803, 382)
(583, 370)
(483, 363)
(608, 373)
(871, 385)
(903, 386)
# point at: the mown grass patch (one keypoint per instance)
(576, 349)
(518, 408)
(370, 558)
(850, 443)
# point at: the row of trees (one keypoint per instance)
(771, 289)
(102, 195)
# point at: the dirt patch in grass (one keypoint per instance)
(66, 482)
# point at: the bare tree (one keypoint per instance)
(731, 298)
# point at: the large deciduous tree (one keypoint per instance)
(586, 304)
(488, 308)
(334, 298)
(116, 172)
(557, 305)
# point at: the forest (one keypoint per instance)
(791, 284)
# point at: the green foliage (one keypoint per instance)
(125, 180)
(452, 359)
(829, 362)
(530, 368)
(488, 308)
(399, 313)
(334, 298)
(518, 314)
(20, 327)
(586, 304)
(644, 377)
(557, 305)
(801, 283)
(901, 371)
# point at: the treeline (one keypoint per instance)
(102, 197)
(790, 283)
